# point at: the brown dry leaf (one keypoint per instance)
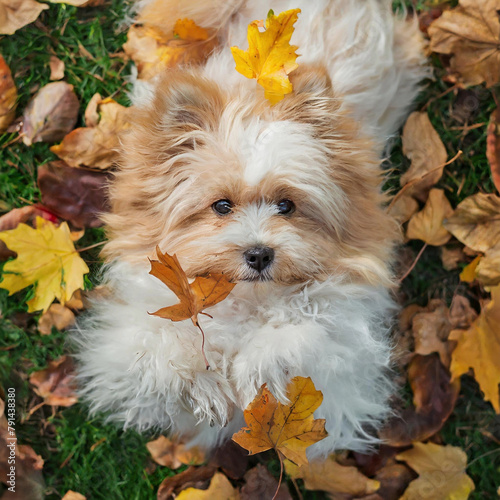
(96, 147)
(231, 458)
(202, 293)
(8, 93)
(476, 222)
(441, 471)
(173, 454)
(154, 50)
(479, 348)
(434, 398)
(493, 147)
(451, 257)
(195, 477)
(289, 429)
(55, 384)
(56, 68)
(51, 114)
(431, 329)
(76, 301)
(73, 495)
(427, 225)
(15, 14)
(470, 33)
(91, 111)
(423, 146)
(59, 316)
(76, 195)
(259, 483)
(80, 3)
(461, 314)
(337, 480)
(394, 478)
(488, 268)
(403, 208)
(220, 488)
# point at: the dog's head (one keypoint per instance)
(232, 185)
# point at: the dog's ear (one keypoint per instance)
(312, 100)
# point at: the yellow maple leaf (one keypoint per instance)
(46, 257)
(441, 471)
(479, 348)
(270, 58)
(220, 488)
(290, 428)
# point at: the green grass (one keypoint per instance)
(95, 458)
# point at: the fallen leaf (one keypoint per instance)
(441, 471)
(58, 316)
(493, 147)
(394, 478)
(231, 458)
(73, 495)
(403, 208)
(434, 398)
(191, 477)
(173, 454)
(187, 29)
(56, 383)
(76, 301)
(202, 293)
(80, 3)
(8, 93)
(488, 267)
(451, 257)
(153, 50)
(51, 114)
(461, 314)
(56, 68)
(427, 225)
(423, 146)
(91, 111)
(479, 348)
(289, 429)
(468, 274)
(76, 195)
(259, 483)
(45, 256)
(476, 222)
(330, 476)
(220, 488)
(270, 58)
(470, 33)
(96, 147)
(15, 14)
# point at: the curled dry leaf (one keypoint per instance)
(153, 50)
(403, 208)
(96, 147)
(427, 225)
(423, 146)
(51, 114)
(57, 316)
(73, 495)
(493, 147)
(470, 33)
(195, 477)
(220, 487)
(8, 93)
(259, 483)
(434, 398)
(46, 257)
(451, 257)
(56, 383)
(270, 58)
(91, 111)
(231, 458)
(173, 454)
(479, 348)
(338, 480)
(56, 68)
(289, 429)
(441, 471)
(76, 195)
(15, 14)
(394, 478)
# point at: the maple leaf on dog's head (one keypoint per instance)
(194, 297)
(45, 256)
(270, 57)
(290, 428)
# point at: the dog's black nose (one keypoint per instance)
(259, 257)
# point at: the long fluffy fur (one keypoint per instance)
(203, 134)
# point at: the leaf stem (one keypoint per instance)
(281, 475)
(417, 258)
(84, 249)
(195, 321)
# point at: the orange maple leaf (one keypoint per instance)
(194, 297)
(289, 429)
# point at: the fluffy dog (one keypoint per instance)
(285, 200)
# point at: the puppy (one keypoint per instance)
(285, 200)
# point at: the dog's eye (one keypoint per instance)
(222, 207)
(286, 207)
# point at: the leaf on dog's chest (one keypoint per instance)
(46, 256)
(270, 58)
(290, 428)
(194, 297)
